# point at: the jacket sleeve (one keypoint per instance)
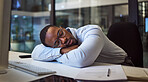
(43, 53)
(87, 52)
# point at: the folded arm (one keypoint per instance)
(43, 53)
(67, 49)
(86, 53)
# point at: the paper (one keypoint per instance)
(146, 71)
(100, 73)
(136, 73)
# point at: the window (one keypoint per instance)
(76, 13)
(27, 19)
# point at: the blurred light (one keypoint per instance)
(15, 16)
(49, 7)
(143, 9)
(18, 4)
(24, 17)
(121, 15)
(146, 24)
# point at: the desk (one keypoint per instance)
(19, 76)
(61, 69)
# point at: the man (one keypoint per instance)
(77, 47)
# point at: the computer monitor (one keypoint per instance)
(146, 24)
(5, 10)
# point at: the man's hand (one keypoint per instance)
(67, 49)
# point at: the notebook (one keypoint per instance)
(101, 73)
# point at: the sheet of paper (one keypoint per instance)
(146, 71)
(136, 73)
(99, 73)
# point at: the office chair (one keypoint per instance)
(127, 36)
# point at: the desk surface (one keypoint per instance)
(18, 76)
(63, 70)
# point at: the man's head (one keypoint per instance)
(53, 36)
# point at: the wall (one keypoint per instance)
(5, 6)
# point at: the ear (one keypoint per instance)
(68, 30)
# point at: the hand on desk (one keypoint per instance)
(67, 49)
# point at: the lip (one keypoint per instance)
(69, 42)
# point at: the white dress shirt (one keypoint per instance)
(94, 46)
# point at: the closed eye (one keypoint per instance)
(60, 33)
(57, 43)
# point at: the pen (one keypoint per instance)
(108, 73)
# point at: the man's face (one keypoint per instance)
(59, 37)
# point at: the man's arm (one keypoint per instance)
(43, 53)
(67, 49)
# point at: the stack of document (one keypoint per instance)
(102, 73)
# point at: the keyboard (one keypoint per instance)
(28, 68)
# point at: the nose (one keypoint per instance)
(63, 40)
